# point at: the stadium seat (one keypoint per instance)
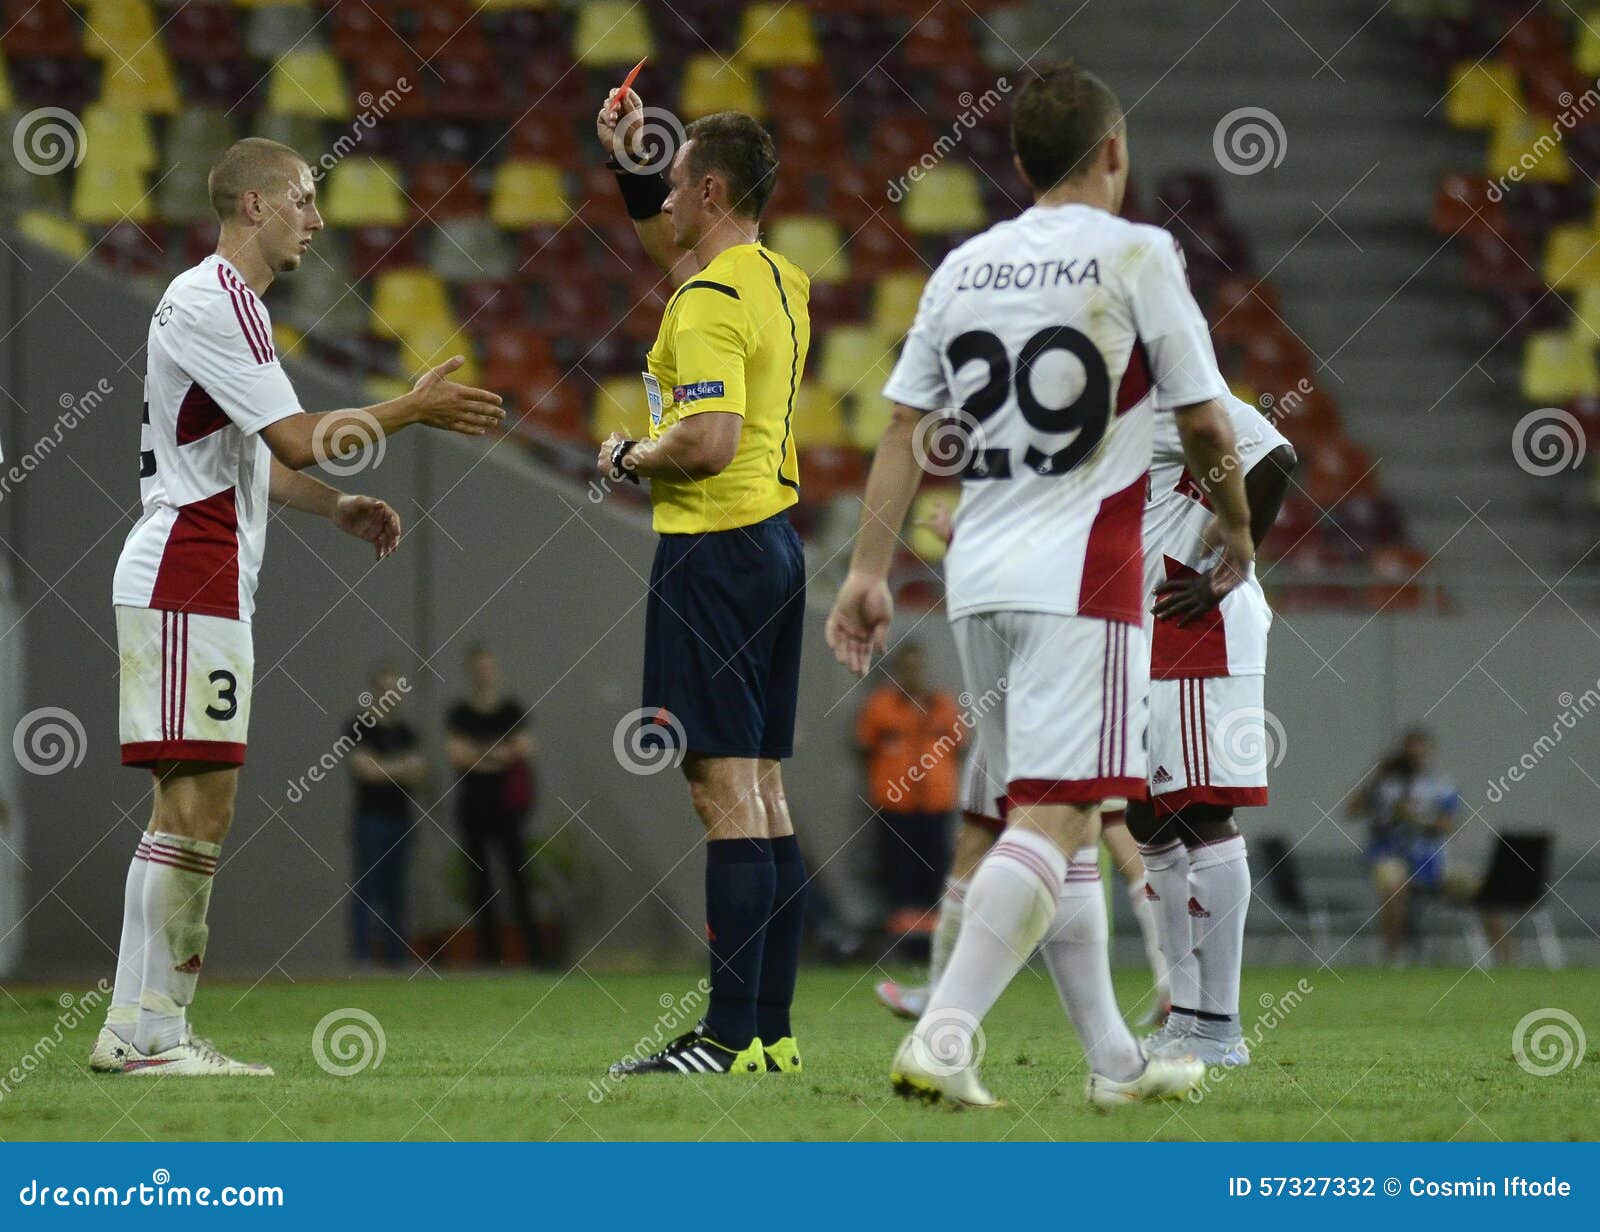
(1483, 95)
(1557, 367)
(143, 82)
(814, 243)
(181, 195)
(106, 192)
(879, 246)
(526, 193)
(946, 199)
(1572, 256)
(360, 191)
(711, 84)
(930, 502)
(308, 81)
(470, 89)
(33, 29)
(1462, 205)
(618, 405)
(462, 249)
(116, 29)
(1526, 142)
(818, 418)
(229, 84)
(517, 357)
(894, 301)
(52, 231)
(320, 298)
(855, 356)
(276, 30)
(120, 135)
(443, 189)
(196, 135)
(202, 31)
(774, 34)
(486, 305)
(132, 249)
(410, 301)
(430, 345)
(610, 33)
(1586, 52)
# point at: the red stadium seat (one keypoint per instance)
(551, 251)
(376, 76)
(443, 190)
(450, 28)
(356, 31)
(1500, 262)
(489, 304)
(880, 246)
(470, 89)
(1243, 307)
(827, 471)
(377, 248)
(40, 28)
(133, 248)
(516, 357)
(543, 136)
(233, 85)
(1462, 205)
(855, 195)
(794, 89)
(941, 37)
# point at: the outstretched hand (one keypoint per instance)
(452, 407)
(858, 625)
(367, 517)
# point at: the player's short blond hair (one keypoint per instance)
(1062, 118)
(253, 163)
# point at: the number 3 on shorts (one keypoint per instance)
(185, 686)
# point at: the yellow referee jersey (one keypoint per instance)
(734, 338)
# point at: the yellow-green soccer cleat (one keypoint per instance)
(783, 1056)
(695, 1052)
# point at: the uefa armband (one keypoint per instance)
(643, 195)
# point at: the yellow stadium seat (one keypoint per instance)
(506, 6)
(385, 388)
(119, 135)
(814, 243)
(407, 302)
(612, 32)
(855, 356)
(712, 84)
(1529, 145)
(1482, 95)
(527, 192)
(115, 29)
(107, 193)
(309, 82)
(1572, 256)
(286, 339)
(870, 414)
(55, 233)
(1586, 313)
(819, 417)
(7, 99)
(774, 34)
(930, 546)
(894, 301)
(364, 191)
(1557, 366)
(430, 345)
(619, 405)
(144, 82)
(946, 199)
(1586, 54)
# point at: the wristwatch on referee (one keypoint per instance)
(619, 453)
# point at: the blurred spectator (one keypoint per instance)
(489, 747)
(909, 734)
(388, 770)
(1411, 809)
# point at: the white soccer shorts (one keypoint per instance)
(186, 684)
(1060, 704)
(1209, 742)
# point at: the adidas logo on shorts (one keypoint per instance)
(1162, 777)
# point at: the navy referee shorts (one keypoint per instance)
(722, 641)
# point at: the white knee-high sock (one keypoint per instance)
(952, 910)
(1009, 909)
(1166, 869)
(177, 892)
(1219, 887)
(1145, 912)
(1075, 949)
(123, 1015)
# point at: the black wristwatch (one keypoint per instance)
(619, 452)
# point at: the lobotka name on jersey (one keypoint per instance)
(1019, 276)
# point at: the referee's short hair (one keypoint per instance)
(1062, 117)
(737, 148)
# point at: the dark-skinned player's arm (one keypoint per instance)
(619, 126)
(1211, 454)
(858, 625)
(303, 440)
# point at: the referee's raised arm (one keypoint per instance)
(638, 153)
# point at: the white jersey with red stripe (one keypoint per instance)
(1058, 334)
(212, 383)
(1232, 639)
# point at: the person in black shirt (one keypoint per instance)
(388, 770)
(489, 747)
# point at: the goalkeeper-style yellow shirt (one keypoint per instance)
(734, 338)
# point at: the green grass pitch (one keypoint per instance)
(1421, 1054)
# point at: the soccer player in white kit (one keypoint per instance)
(223, 437)
(1209, 745)
(1059, 334)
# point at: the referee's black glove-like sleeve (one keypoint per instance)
(642, 194)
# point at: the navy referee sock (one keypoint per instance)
(780, 962)
(739, 886)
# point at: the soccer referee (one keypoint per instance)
(728, 587)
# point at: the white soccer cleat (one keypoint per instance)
(901, 1001)
(111, 1053)
(1162, 1078)
(195, 1057)
(917, 1074)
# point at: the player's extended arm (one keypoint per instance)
(365, 517)
(859, 622)
(1211, 454)
(620, 129)
(302, 440)
(696, 447)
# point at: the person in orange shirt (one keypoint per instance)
(910, 734)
